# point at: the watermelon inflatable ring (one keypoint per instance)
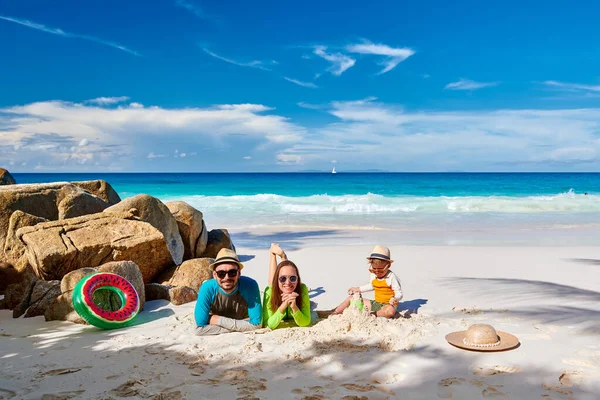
(83, 300)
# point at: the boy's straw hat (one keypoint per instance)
(226, 256)
(381, 253)
(482, 337)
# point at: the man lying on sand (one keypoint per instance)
(383, 282)
(229, 302)
(286, 297)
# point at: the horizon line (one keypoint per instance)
(314, 172)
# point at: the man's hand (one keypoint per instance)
(393, 302)
(214, 320)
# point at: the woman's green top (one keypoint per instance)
(272, 318)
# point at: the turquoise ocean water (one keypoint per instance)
(411, 208)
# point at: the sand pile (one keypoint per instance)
(355, 331)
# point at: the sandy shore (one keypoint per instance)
(547, 296)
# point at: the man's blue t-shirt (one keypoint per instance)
(242, 303)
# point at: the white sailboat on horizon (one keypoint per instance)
(333, 171)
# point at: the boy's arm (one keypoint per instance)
(396, 287)
(369, 286)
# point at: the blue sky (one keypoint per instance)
(189, 85)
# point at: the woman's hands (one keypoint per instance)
(277, 251)
(288, 300)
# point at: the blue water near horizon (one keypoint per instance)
(418, 207)
(305, 184)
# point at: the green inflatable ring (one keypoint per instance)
(83, 296)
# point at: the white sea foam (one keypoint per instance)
(373, 204)
(564, 218)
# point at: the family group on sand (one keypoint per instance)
(231, 302)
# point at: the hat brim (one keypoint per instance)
(507, 342)
(225, 261)
(380, 258)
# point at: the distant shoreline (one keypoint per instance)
(358, 172)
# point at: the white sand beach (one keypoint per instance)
(549, 297)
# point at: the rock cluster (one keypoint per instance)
(52, 235)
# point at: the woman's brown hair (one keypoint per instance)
(276, 293)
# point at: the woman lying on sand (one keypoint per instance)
(286, 299)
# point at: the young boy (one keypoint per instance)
(383, 282)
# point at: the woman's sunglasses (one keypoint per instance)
(232, 273)
(292, 278)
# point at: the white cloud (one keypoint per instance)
(301, 83)
(572, 86)
(87, 122)
(340, 62)
(304, 104)
(152, 156)
(111, 136)
(105, 101)
(251, 64)
(177, 154)
(60, 32)
(288, 159)
(365, 134)
(467, 84)
(375, 135)
(574, 154)
(394, 56)
(192, 7)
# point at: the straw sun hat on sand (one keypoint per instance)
(482, 337)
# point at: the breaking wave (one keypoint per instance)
(324, 204)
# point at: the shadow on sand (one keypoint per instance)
(590, 261)
(153, 311)
(412, 306)
(234, 366)
(289, 240)
(312, 293)
(573, 305)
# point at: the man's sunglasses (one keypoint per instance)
(232, 273)
(292, 278)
